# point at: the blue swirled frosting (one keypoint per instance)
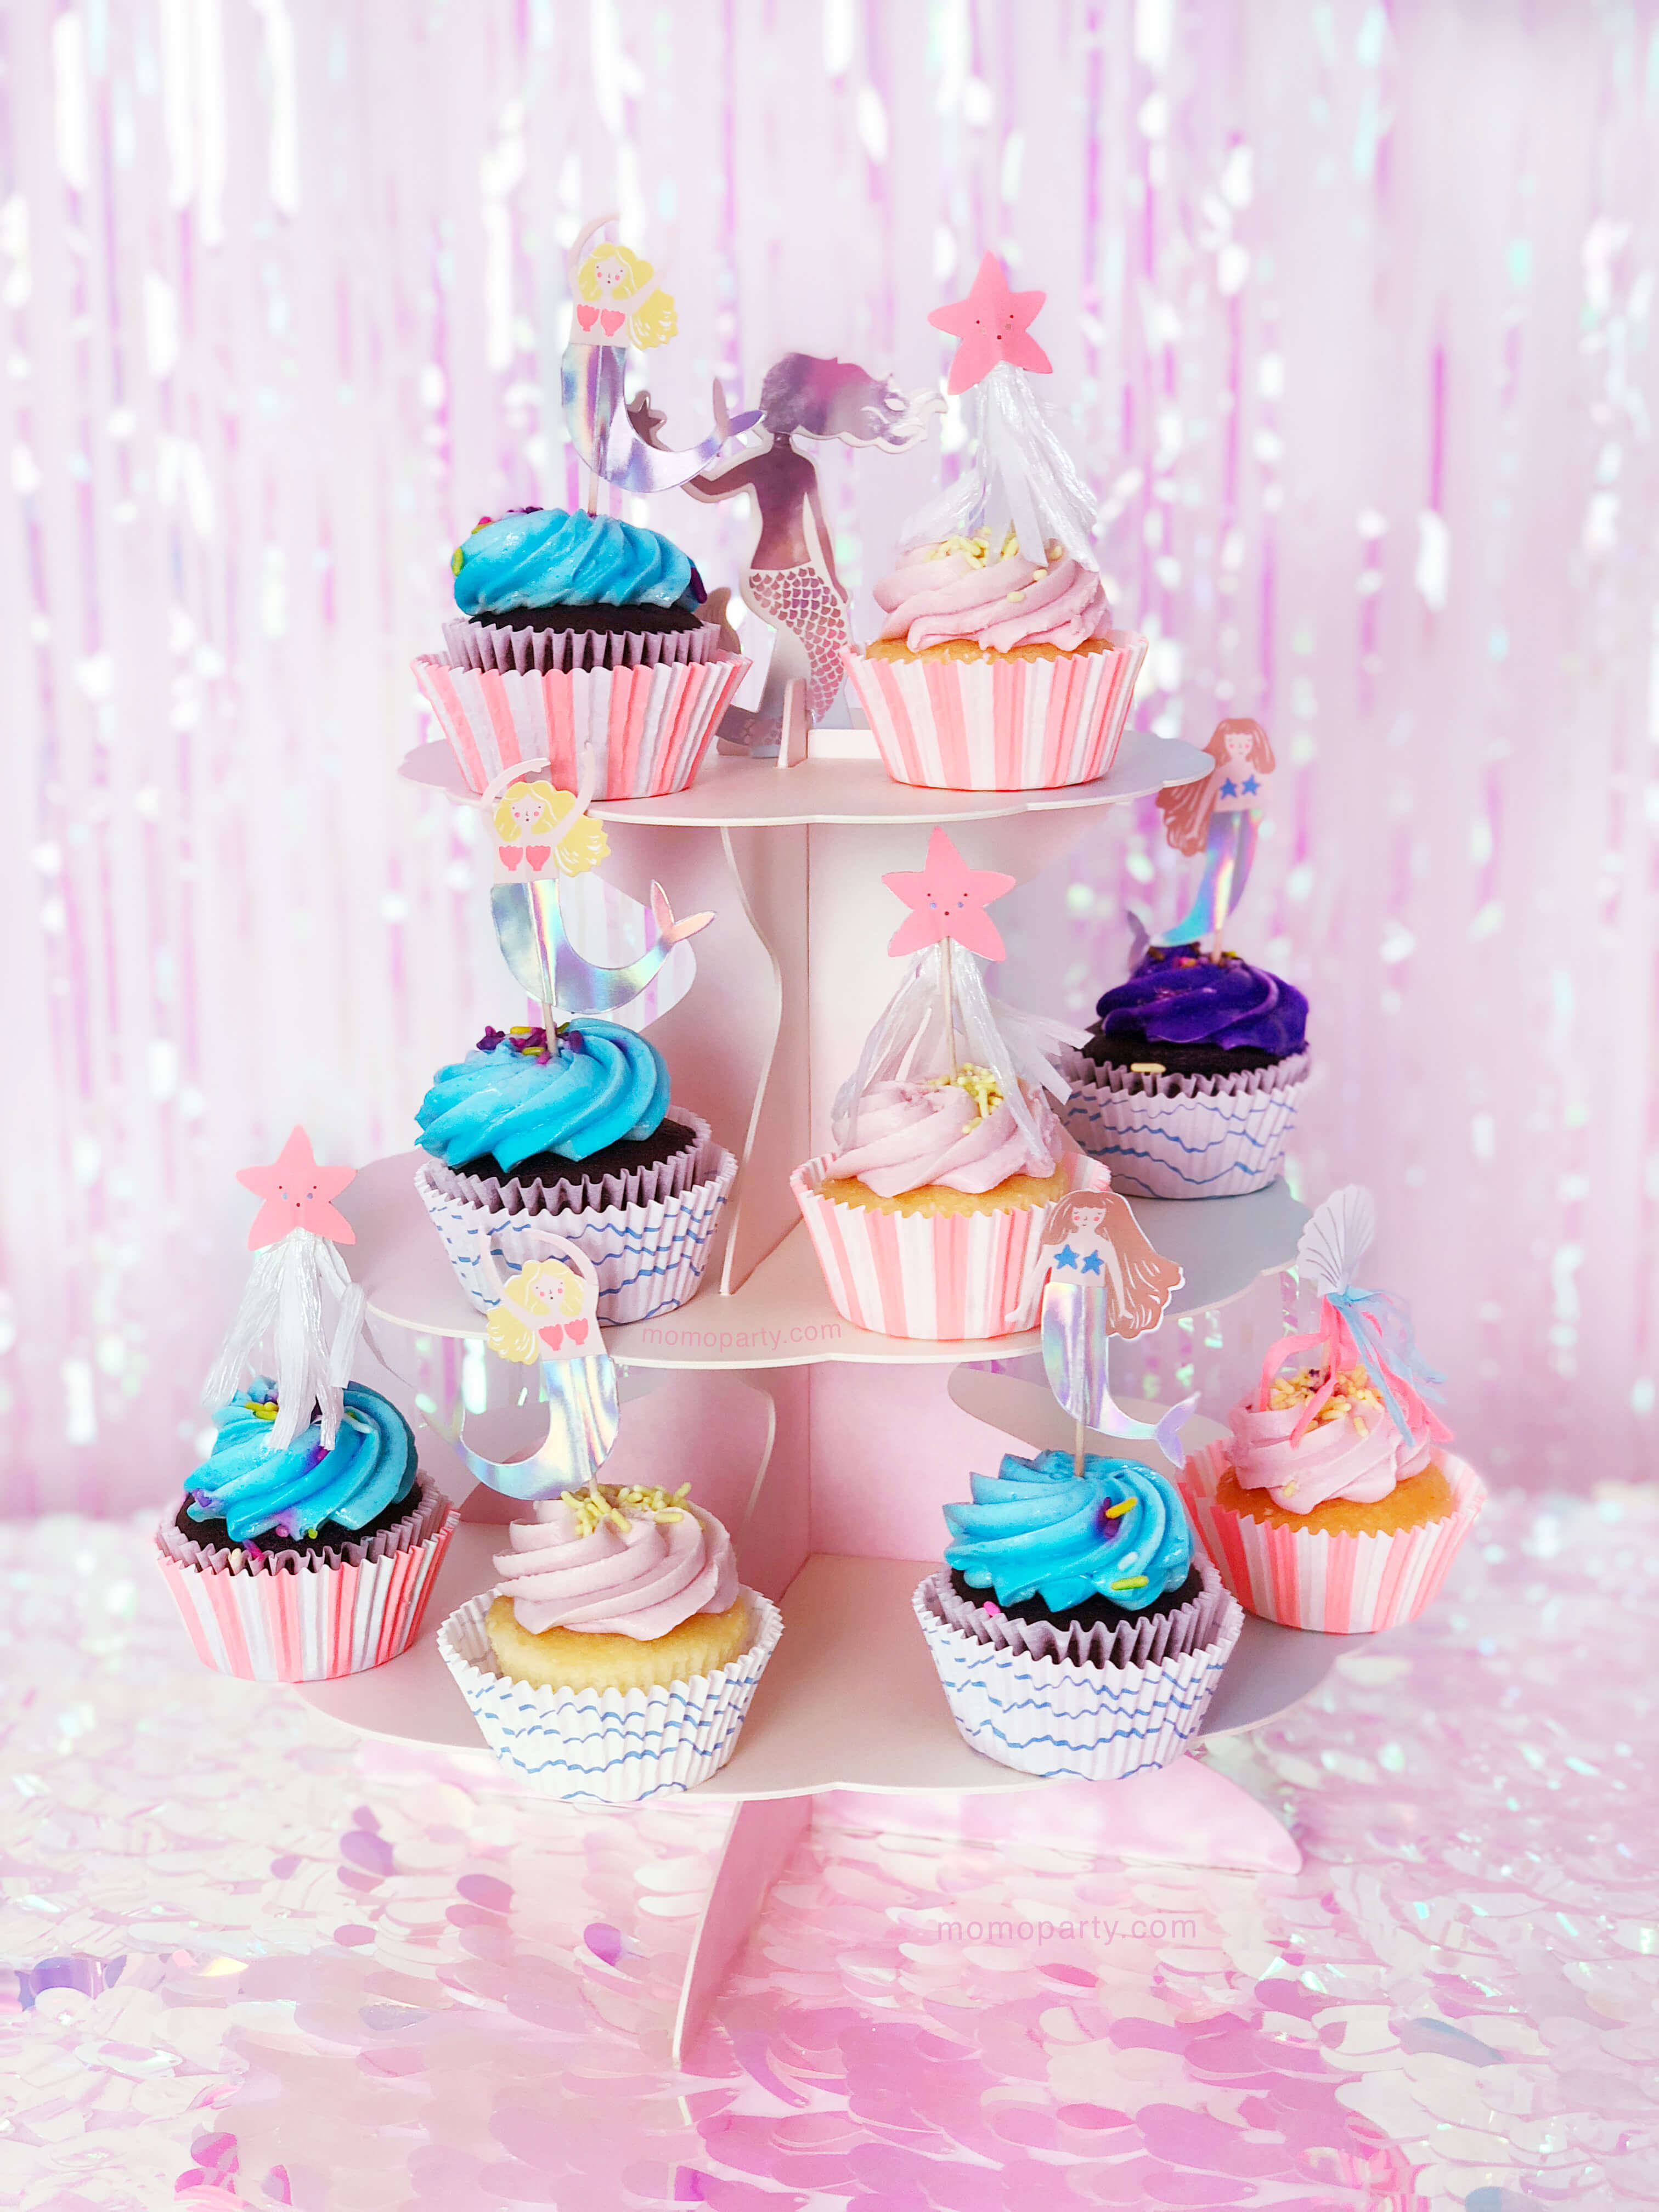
(256, 1492)
(549, 558)
(1177, 995)
(508, 1099)
(1038, 1529)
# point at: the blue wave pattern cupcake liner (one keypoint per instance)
(608, 1746)
(1056, 1717)
(650, 1257)
(1185, 1136)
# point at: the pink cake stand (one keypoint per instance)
(836, 1448)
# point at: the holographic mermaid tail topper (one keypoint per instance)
(1019, 476)
(547, 1316)
(1218, 818)
(792, 583)
(1105, 1279)
(295, 1280)
(1357, 1328)
(550, 836)
(619, 303)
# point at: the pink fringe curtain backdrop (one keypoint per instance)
(1351, 309)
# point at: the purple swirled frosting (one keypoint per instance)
(1177, 995)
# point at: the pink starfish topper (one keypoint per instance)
(948, 899)
(993, 324)
(297, 1192)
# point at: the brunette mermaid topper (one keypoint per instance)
(792, 583)
(1218, 816)
(1106, 1279)
(1357, 1328)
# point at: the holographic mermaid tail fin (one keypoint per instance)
(1229, 853)
(596, 414)
(536, 948)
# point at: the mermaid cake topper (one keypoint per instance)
(546, 1316)
(1106, 1279)
(791, 582)
(546, 840)
(1218, 816)
(618, 302)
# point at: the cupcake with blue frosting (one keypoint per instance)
(1076, 1628)
(530, 1140)
(579, 635)
(1189, 1083)
(304, 1557)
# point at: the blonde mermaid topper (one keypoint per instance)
(620, 303)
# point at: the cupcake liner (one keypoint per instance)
(1343, 1585)
(1184, 1136)
(941, 1277)
(608, 1746)
(1005, 724)
(1146, 1643)
(496, 645)
(1048, 1716)
(285, 1618)
(669, 1178)
(650, 1256)
(648, 728)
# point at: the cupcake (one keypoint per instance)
(618, 1656)
(1333, 1504)
(927, 1214)
(582, 636)
(994, 670)
(997, 668)
(575, 1139)
(1187, 1085)
(300, 1560)
(1075, 1629)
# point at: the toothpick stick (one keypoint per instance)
(1076, 1449)
(945, 957)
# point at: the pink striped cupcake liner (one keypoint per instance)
(1343, 1585)
(944, 1277)
(646, 728)
(999, 724)
(288, 1619)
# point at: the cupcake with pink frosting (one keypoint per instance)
(617, 1655)
(1334, 1504)
(994, 670)
(945, 1152)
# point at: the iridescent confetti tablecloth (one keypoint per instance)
(255, 1960)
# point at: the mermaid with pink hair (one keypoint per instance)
(792, 583)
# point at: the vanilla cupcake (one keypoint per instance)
(927, 1216)
(994, 671)
(618, 1656)
(1075, 1628)
(1334, 1504)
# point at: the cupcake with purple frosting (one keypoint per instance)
(1187, 1085)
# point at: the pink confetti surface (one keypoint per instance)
(254, 1960)
(1351, 311)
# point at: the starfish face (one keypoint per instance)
(947, 898)
(297, 1195)
(993, 326)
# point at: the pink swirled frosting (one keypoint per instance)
(639, 1579)
(1353, 1452)
(961, 589)
(911, 1134)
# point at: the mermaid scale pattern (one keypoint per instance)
(801, 601)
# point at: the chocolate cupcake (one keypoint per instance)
(582, 644)
(1076, 1630)
(573, 1140)
(1187, 1085)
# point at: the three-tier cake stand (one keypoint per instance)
(827, 1450)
